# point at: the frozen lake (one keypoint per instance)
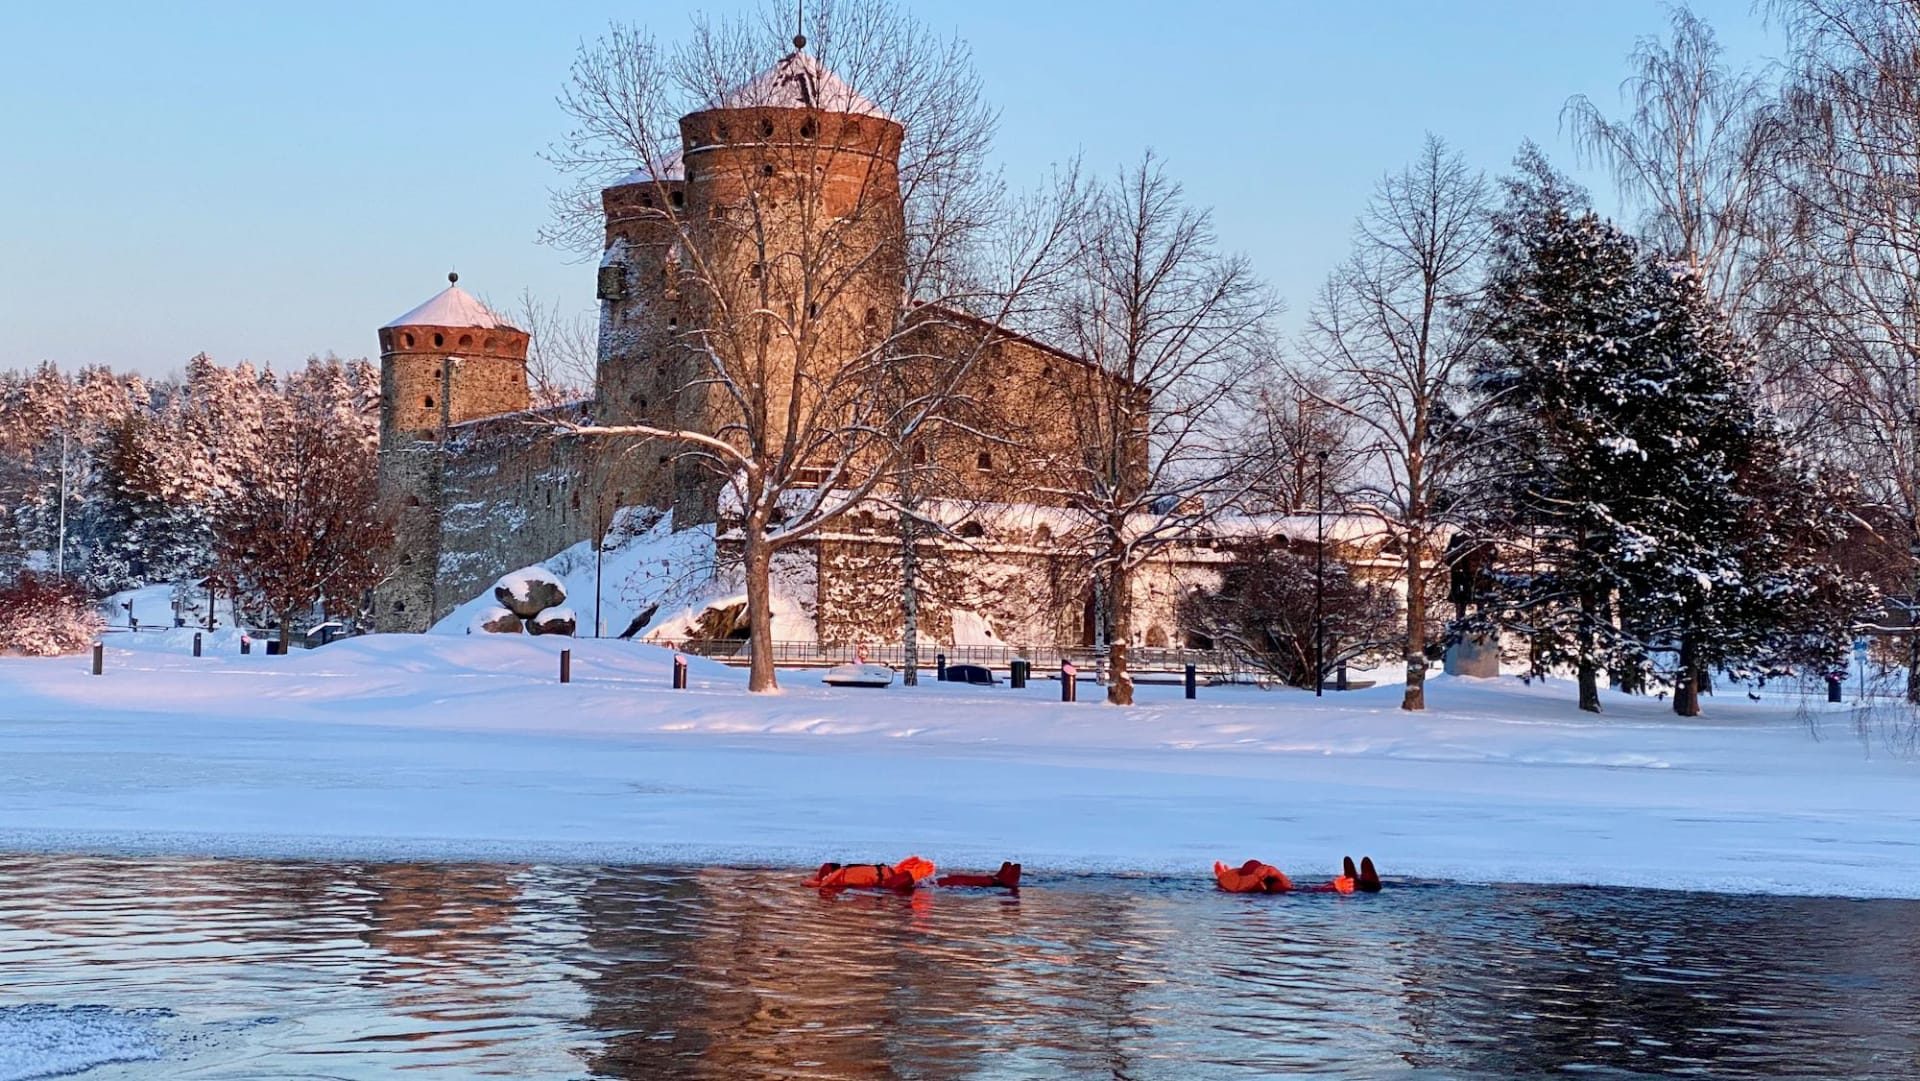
(227, 968)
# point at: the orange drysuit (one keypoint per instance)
(904, 875)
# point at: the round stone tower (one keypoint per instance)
(785, 197)
(446, 362)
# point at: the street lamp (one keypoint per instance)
(1320, 576)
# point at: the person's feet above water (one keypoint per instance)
(1369, 879)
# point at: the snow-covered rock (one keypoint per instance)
(529, 591)
(559, 621)
(495, 621)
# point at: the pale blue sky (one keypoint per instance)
(263, 181)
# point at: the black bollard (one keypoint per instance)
(1069, 690)
(99, 658)
(246, 645)
(566, 666)
(1017, 677)
(1833, 688)
(1193, 682)
(679, 673)
(196, 643)
(940, 667)
(273, 647)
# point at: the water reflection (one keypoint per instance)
(651, 973)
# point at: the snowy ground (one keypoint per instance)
(454, 747)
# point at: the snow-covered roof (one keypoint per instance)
(799, 81)
(669, 168)
(452, 307)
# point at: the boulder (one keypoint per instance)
(529, 591)
(496, 621)
(559, 621)
(1474, 655)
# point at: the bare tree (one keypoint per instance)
(1169, 328)
(1691, 153)
(1394, 330)
(1302, 454)
(563, 349)
(1846, 293)
(828, 247)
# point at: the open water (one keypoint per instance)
(258, 969)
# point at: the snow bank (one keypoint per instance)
(435, 747)
(56, 1041)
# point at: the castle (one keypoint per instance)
(794, 161)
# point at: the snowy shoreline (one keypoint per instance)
(459, 749)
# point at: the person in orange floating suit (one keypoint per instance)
(1256, 877)
(903, 876)
(1007, 877)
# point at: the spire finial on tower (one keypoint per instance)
(800, 25)
(453, 278)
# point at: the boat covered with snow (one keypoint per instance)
(859, 675)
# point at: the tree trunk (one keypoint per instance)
(1119, 634)
(1588, 669)
(286, 630)
(909, 597)
(1686, 681)
(759, 568)
(1416, 696)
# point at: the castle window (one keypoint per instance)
(809, 129)
(646, 200)
(409, 339)
(813, 311)
(436, 373)
(413, 500)
(919, 454)
(673, 322)
(678, 198)
(984, 463)
(756, 270)
(1043, 535)
(766, 170)
(873, 319)
(429, 401)
(973, 531)
(716, 212)
(466, 339)
(766, 128)
(724, 134)
(399, 606)
(439, 339)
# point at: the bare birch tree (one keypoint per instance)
(1690, 154)
(1394, 329)
(562, 350)
(817, 269)
(1846, 294)
(1169, 327)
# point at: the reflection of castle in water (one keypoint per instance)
(778, 982)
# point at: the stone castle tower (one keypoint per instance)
(449, 361)
(783, 197)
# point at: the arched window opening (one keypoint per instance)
(984, 462)
(972, 531)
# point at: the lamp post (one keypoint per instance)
(1320, 575)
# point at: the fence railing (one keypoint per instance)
(1215, 664)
